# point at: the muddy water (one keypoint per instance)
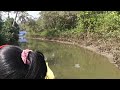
(72, 62)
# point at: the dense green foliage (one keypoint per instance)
(59, 20)
(102, 24)
(8, 33)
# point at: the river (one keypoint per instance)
(72, 62)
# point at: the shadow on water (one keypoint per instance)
(72, 62)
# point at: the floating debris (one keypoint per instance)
(77, 65)
(53, 55)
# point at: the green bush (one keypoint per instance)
(8, 33)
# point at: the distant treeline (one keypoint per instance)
(64, 24)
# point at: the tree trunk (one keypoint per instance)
(15, 19)
(8, 15)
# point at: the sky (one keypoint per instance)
(35, 14)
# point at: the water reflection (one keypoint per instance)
(22, 38)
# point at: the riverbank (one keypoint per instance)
(111, 54)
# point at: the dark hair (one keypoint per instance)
(12, 66)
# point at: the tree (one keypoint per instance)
(60, 20)
(23, 17)
(9, 32)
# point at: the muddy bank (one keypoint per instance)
(112, 54)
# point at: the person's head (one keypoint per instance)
(12, 65)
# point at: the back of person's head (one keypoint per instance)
(13, 67)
